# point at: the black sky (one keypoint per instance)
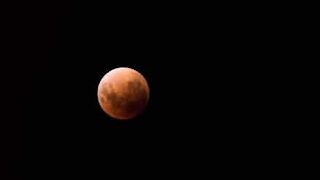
(197, 59)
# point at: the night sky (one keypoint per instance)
(203, 94)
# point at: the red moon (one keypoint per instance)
(123, 93)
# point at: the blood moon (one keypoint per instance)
(123, 93)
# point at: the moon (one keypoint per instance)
(123, 93)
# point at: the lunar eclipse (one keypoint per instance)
(123, 93)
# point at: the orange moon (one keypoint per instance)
(123, 93)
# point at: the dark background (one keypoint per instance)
(200, 63)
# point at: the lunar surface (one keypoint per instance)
(123, 93)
